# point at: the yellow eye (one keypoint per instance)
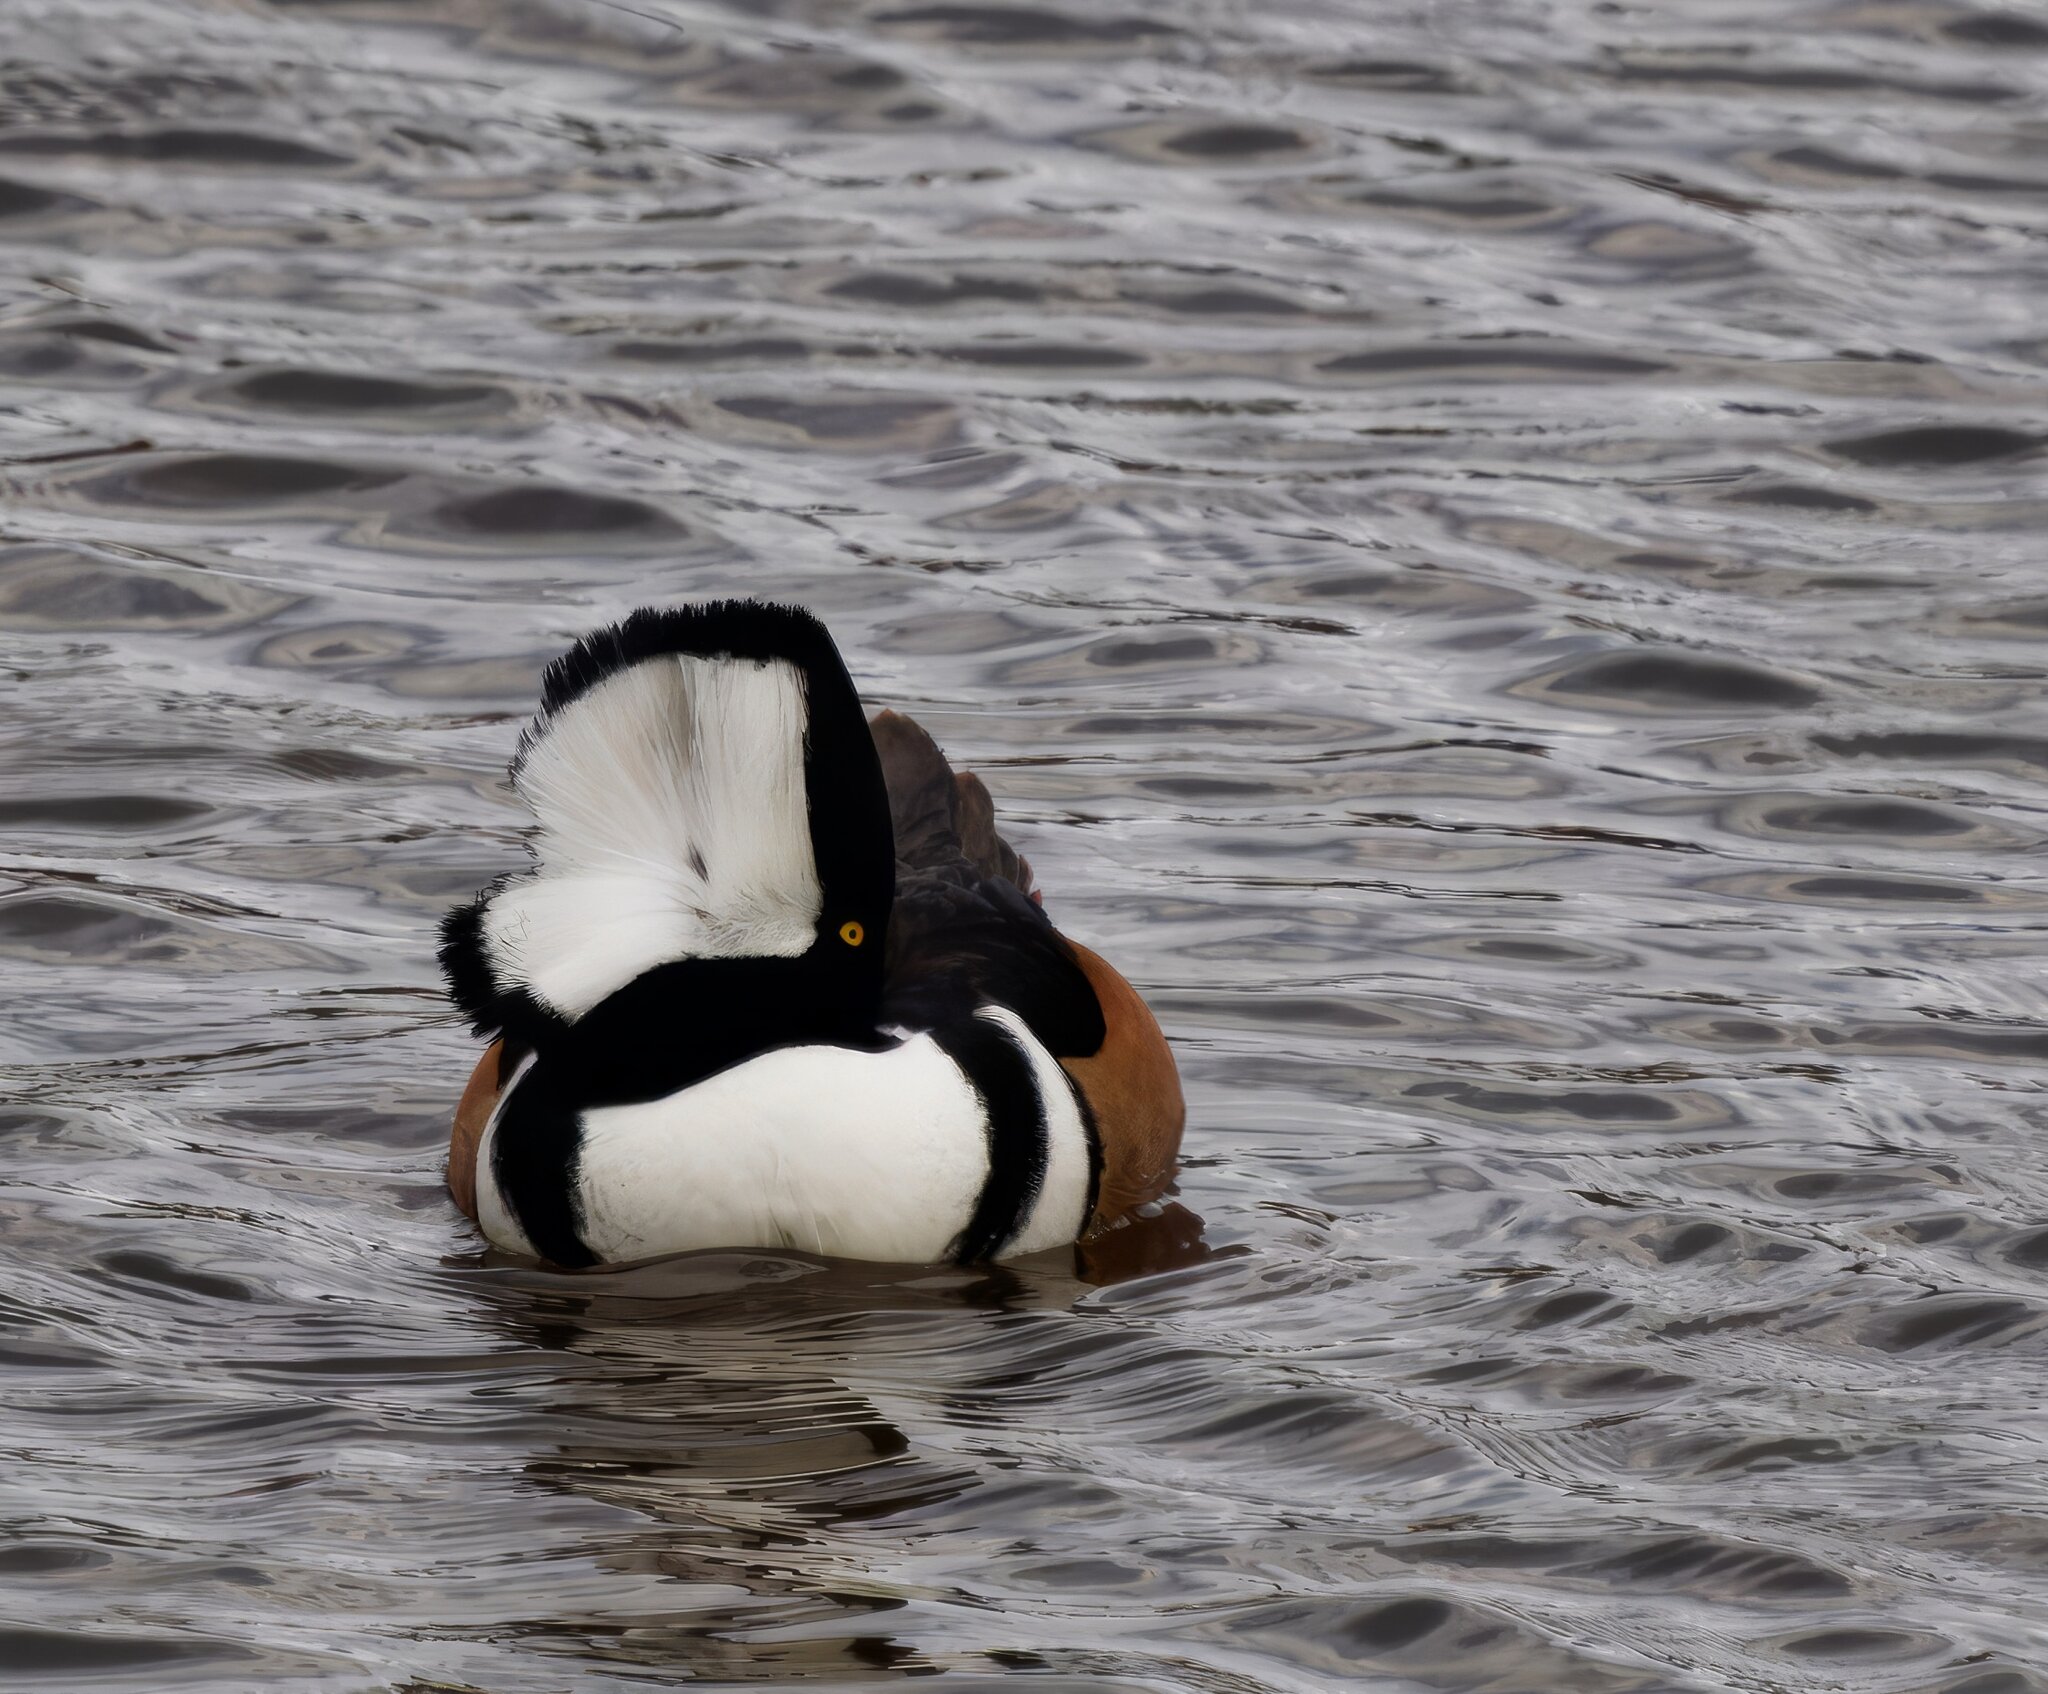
(852, 934)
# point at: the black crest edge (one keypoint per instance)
(473, 986)
(711, 629)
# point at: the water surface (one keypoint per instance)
(1491, 555)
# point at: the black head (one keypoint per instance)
(672, 1016)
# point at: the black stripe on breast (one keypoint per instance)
(1093, 1136)
(534, 1154)
(1019, 1137)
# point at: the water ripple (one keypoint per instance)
(1489, 555)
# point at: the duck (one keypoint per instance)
(774, 980)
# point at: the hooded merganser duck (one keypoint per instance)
(774, 980)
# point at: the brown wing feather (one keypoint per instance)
(920, 785)
(940, 817)
(974, 816)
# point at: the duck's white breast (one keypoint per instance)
(866, 1155)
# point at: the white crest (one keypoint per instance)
(673, 825)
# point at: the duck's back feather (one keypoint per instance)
(941, 817)
(965, 929)
(969, 923)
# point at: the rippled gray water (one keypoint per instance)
(1491, 553)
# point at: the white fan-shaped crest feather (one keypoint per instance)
(674, 824)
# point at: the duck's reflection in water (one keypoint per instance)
(1167, 1238)
(781, 1436)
